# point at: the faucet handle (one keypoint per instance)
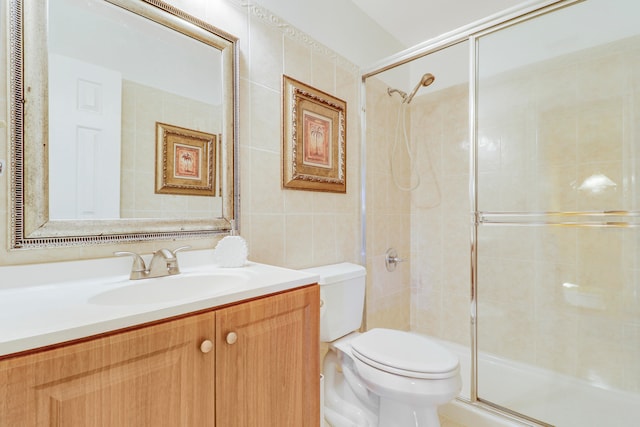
(175, 251)
(172, 265)
(139, 268)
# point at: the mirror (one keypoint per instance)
(123, 123)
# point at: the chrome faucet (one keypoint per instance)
(163, 263)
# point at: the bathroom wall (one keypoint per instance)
(440, 215)
(142, 107)
(283, 227)
(428, 226)
(287, 227)
(388, 211)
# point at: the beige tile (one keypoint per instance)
(246, 177)
(266, 193)
(298, 241)
(600, 131)
(297, 60)
(348, 234)
(266, 105)
(323, 72)
(245, 109)
(298, 202)
(557, 141)
(266, 60)
(608, 69)
(324, 239)
(266, 244)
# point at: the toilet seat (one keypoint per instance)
(404, 353)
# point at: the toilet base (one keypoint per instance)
(397, 414)
(343, 407)
(358, 395)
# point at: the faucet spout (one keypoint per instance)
(163, 263)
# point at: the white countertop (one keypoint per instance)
(40, 307)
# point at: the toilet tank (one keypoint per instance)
(342, 289)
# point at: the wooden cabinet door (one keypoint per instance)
(155, 376)
(268, 373)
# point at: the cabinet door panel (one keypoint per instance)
(270, 375)
(153, 376)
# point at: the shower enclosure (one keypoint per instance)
(510, 183)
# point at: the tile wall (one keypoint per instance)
(440, 215)
(542, 131)
(142, 108)
(570, 293)
(388, 211)
(292, 228)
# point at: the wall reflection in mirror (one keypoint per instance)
(112, 76)
(95, 86)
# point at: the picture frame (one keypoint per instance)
(314, 139)
(185, 161)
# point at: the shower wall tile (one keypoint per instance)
(606, 67)
(388, 212)
(561, 298)
(440, 216)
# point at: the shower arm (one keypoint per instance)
(398, 91)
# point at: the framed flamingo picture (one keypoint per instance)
(314, 139)
(185, 161)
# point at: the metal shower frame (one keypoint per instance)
(469, 33)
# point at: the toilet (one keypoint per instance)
(382, 377)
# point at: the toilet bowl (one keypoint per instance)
(382, 377)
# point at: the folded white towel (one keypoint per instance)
(231, 251)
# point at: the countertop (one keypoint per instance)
(39, 311)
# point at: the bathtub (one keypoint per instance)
(554, 398)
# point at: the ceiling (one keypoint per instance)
(367, 31)
(414, 21)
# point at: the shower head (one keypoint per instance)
(425, 81)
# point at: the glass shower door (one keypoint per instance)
(558, 233)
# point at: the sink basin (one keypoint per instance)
(171, 288)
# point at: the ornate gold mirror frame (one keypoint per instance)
(30, 226)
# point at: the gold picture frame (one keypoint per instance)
(185, 161)
(314, 139)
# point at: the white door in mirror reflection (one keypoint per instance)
(84, 140)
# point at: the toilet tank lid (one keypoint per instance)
(337, 272)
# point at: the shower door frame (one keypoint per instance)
(470, 33)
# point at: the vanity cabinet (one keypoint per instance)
(153, 376)
(267, 359)
(250, 364)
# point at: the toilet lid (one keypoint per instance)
(404, 353)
